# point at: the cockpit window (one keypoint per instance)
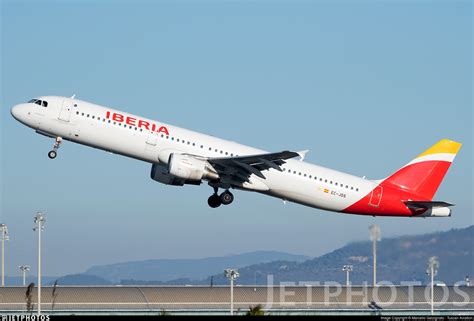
(43, 103)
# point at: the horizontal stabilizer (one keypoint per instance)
(426, 204)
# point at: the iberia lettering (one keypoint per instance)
(132, 121)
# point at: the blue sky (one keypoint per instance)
(365, 86)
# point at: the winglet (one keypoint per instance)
(302, 154)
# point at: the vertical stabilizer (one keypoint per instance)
(423, 175)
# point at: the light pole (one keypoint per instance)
(374, 237)
(232, 275)
(347, 269)
(432, 270)
(5, 237)
(40, 219)
(24, 269)
(255, 274)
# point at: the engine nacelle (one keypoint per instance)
(160, 174)
(190, 168)
(437, 212)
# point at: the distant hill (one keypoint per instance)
(18, 280)
(164, 270)
(81, 279)
(398, 259)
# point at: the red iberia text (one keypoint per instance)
(136, 122)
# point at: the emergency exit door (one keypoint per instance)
(66, 109)
(152, 138)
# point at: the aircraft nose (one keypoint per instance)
(19, 112)
(15, 111)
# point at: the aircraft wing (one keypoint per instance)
(244, 166)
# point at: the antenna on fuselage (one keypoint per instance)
(73, 96)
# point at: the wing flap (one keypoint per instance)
(243, 167)
(249, 168)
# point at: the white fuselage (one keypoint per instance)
(94, 126)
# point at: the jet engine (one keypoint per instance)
(160, 174)
(190, 168)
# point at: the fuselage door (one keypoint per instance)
(66, 109)
(152, 138)
(376, 196)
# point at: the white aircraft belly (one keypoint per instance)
(302, 190)
(117, 140)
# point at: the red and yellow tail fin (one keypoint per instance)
(423, 175)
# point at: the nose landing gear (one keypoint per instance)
(53, 153)
(216, 200)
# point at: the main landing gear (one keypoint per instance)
(216, 200)
(53, 153)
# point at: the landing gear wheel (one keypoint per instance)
(227, 198)
(214, 201)
(53, 153)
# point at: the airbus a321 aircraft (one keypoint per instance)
(180, 156)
